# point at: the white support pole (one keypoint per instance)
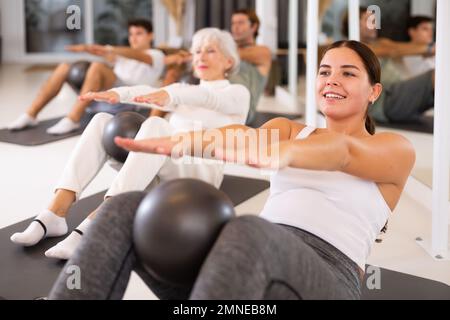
(89, 21)
(353, 20)
(311, 61)
(189, 22)
(441, 152)
(160, 28)
(438, 246)
(268, 31)
(293, 52)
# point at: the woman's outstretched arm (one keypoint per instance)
(206, 143)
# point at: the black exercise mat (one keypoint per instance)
(27, 274)
(262, 117)
(241, 189)
(400, 286)
(423, 124)
(25, 271)
(38, 136)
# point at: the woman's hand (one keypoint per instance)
(273, 157)
(160, 98)
(169, 146)
(107, 96)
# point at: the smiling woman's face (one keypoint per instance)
(342, 86)
(210, 63)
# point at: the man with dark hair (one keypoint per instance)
(143, 23)
(256, 59)
(404, 98)
(250, 16)
(133, 65)
(415, 21)
(420, 31)
(384, 47)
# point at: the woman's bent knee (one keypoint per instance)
(101, 118)
(248, 226)
(123, 206)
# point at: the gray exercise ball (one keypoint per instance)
(77, 74)
(176, 226)
(125, 125)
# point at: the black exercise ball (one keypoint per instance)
(77, 74)
(176, 226)
(125, 125)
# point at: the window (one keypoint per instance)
(111, 18)
(46, 22)
(46, 28)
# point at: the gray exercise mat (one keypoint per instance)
(38, 136)
(424, 124)
(26, 273)
(400, 286)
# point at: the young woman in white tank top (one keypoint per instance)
(341, 183)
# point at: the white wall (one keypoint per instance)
(267, 13)
(13, 30)
(160, 23)
(13, 34)
(165, 27)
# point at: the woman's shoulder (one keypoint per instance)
(397, 143)
(289, 129)
(296, 128)
(237, 88)
(390, 136)
(386, 140)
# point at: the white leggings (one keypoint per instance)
(139, 170)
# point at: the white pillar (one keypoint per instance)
(165, 27)
(293, 51)
(441, 152)
(89, 21)
(268, 31)
(312, 42)
(12, 19)
(189, 22)
(160, 23)
(353, 20)
(175, 40)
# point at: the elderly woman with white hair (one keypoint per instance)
(211, 104)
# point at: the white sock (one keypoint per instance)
(22, 122)
(54, 227)
(65, 125)
(65, 249)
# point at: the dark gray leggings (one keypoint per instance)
(252, 259)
